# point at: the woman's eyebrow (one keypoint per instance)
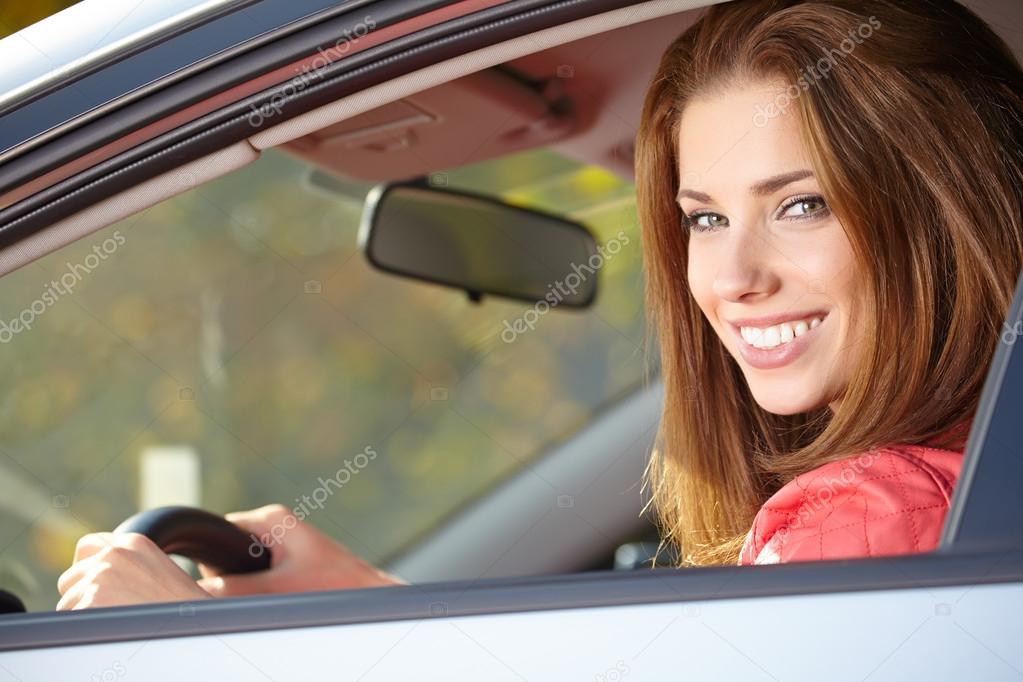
(757, 189)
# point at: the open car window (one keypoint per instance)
(231, 347)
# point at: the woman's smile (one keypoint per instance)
(769, 342)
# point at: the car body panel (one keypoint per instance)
(950, 632)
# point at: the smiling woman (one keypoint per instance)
(830, 193)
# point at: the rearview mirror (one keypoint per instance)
(477, 243)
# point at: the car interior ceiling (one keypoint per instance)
(581, 99)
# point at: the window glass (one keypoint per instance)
(231, 347)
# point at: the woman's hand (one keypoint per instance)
(302, 559)
(127, 568)
(119, 569)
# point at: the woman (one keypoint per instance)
(891, 245)
(831, 194)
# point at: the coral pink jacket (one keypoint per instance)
(891, 500)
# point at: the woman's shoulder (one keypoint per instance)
(890, 500)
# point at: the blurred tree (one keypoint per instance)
(15, 16)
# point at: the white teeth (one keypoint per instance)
(769, 337)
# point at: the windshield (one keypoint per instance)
(230, 348)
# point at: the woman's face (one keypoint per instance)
(769, 265)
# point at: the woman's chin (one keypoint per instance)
(786, 399)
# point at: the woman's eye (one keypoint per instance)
(801, 208)
(807, 207)
(702, 222)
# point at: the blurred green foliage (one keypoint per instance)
(16, 15)
(239, 319)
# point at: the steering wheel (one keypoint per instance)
(189, 532)
(202, 537)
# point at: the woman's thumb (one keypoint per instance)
(260, 522)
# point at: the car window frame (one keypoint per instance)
(977, 546)
(984, 515)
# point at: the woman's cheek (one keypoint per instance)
(699, 279)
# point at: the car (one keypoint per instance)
(199, 310)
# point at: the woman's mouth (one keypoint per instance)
(767, 346)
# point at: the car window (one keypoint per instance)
(231, 347)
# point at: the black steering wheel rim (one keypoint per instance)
(201, 536)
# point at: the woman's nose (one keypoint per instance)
(743, 271)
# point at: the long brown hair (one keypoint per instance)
(915, 133)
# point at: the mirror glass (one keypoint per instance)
(478, 244)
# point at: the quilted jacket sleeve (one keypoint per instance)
(886, 502)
